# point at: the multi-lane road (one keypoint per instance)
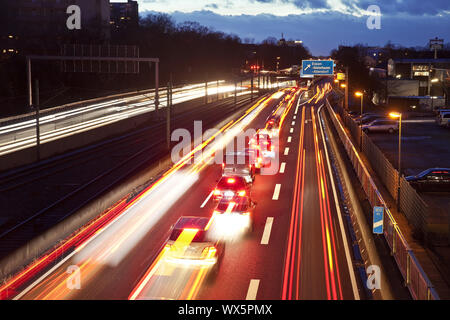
(298, 248)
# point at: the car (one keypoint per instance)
(359, 116)
(240, 212)
(443, 119)
(369, 119)
(191, 244)
(353, 114)
(273, 125)
(229, 187)
(433, 179)
(381, 125)
(241, 163)
(264, 148)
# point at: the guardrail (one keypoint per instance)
(415, 278)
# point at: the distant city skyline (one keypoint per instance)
(321, 24)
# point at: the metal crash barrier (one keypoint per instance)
(415, 278)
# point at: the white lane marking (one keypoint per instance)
(283, 167)
(276, 193)
(293, 123)
(289, 139)
(267, 230)
(292, 130)
(286, 151)
(295, 117)
(207, 199)
(351, 271)
(252, 289)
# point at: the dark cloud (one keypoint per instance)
(212, 6)
(412, 7)
(391, 7)
(313, 4)
(322, 32)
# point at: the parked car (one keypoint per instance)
(434, 179)
(369, 119)
(353, 114)
(443, 118)
(358, 117)
(381, 125)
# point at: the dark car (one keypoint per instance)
(434, 179)
(353, 114)
(369, 118)
(238, 206)
(229, 187)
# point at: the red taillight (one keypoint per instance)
(231, 181)
(217, 192)
(242, 193)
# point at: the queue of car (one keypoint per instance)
(234, 207)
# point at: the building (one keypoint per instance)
(289, 43)
(428, 79)
(39, 26)
(124, 15)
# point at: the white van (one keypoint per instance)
(443, 118)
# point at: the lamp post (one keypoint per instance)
(361, 95)
(444, 89)
(397, 115)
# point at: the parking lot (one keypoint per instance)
(424, 145)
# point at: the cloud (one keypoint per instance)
(324, 31)
(286, 7)
(412, 7)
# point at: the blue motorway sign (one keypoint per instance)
(378, 213)
(317, 67)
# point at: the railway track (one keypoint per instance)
(73, 180)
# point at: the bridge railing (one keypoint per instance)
(414, 276)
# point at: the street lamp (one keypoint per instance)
(360, 95)
(397, 115)
(444, 88)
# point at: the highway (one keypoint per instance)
(298, 249)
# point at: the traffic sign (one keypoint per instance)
(317, 67)
(378, 214)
